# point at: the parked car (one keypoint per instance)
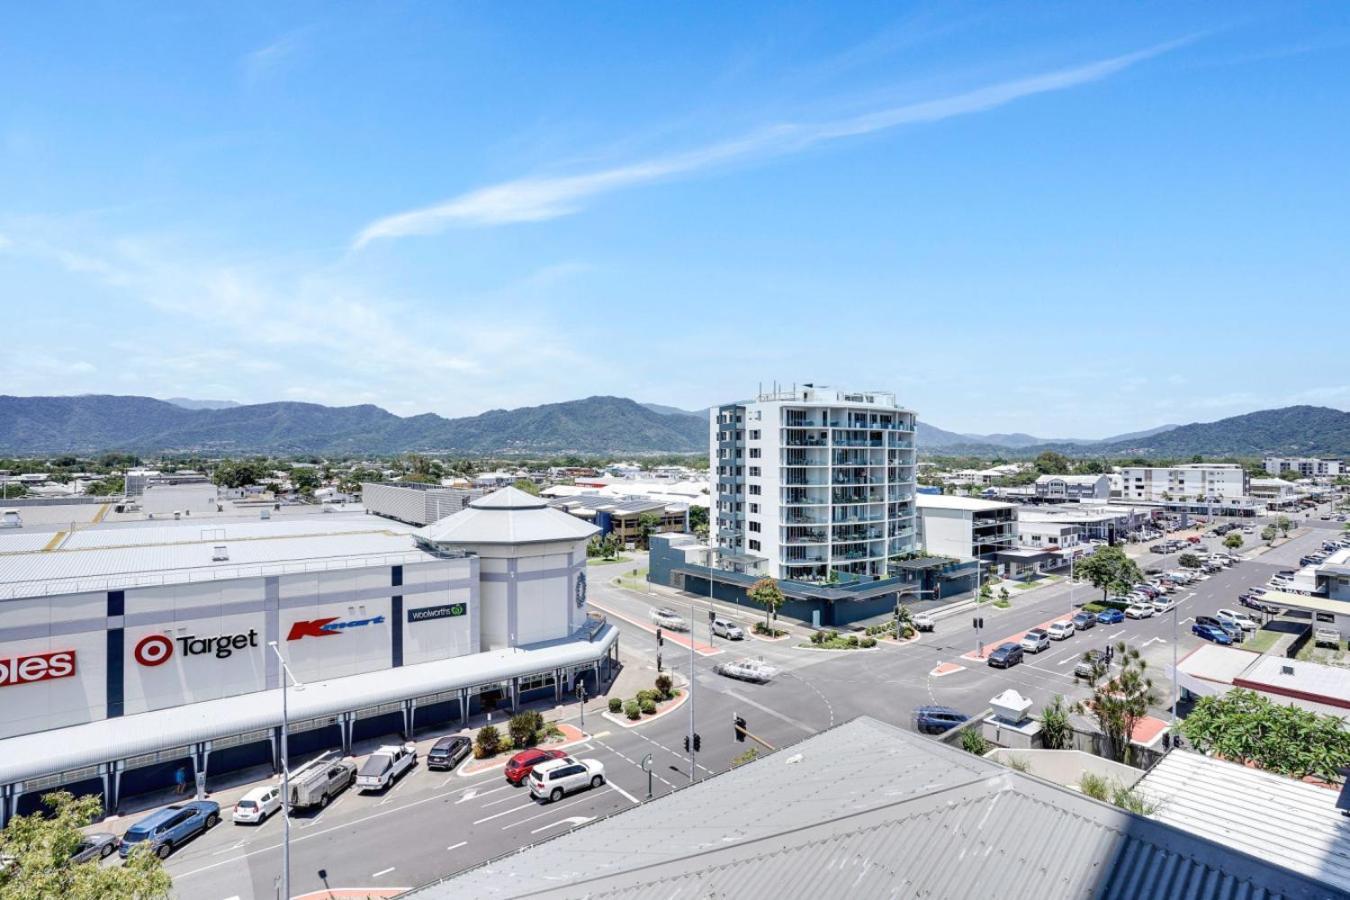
(1193, 539)
(1006, 656)
(1211, 633)
(1325, 634)
(1061, 630)
(924, 622)
(1035, 640)
(664, 617)
(321, 779)
(449, 752)
(254, 807)
(1082, 621)
(1139, 611)
(725, 628)
(97, 845)
(1110, 616)
(169, 828)
(937, 719)
(1163, 605)
(383, 767)
(1234, 632)
(1234, 617)
(1090, 664)
(519, 767)
(551, 780)
(746, 670)
(1159, 548)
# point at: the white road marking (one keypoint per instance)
(623, 792)
(552, 809)
(505, 812)
(501, 801)
(574, 821)
(456, 846)
(383, 872)
(1065, 662)
(1112, 637)
(1155, 640)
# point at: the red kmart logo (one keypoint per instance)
(328, 627)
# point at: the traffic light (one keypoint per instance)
(711, 616)
(698, 742)
(977, 623)
(686, 744)
(740, 728)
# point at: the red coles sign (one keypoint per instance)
(37, 667)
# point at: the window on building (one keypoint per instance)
(754, 490)
(754, 471)
(754, 526)
(754, 434)
(754, 545)
(754, 453)
(754, 507)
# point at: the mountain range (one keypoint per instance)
(595, 425)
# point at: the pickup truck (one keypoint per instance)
(669, 619)
(1093, 661)
(924, 622)
(383, 767)
(1325, 634)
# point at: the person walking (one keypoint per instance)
(180, 780)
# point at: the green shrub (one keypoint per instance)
(488, 742)
(868, 642)
(615, 704)
(632, 710)
(818, 637)
(526, 728)
(853, 640)
(1128, 799)
(644, 695)
(648, 707)
(1094, 786)
(552, 730)
(506, 745)
(664, 683)
(1093, 607)
(973, 742)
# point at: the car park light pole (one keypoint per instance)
(285, 772)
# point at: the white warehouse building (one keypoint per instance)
(129, 652)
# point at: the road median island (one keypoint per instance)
(663, 707)
(571, 736)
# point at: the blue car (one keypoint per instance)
(171, 827)
(1110, 616)
(1211, 633)
(937, 719)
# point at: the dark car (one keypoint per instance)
(1006, 656)
(448, 752)
(96, 846)
(519, 767)
(171, 827)
(1211, 633)
(1110, 616)
(1083, 621)
(1233, 631)
(937, 719)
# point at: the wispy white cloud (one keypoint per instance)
(258, 65)
(535, 199)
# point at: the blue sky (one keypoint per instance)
(1068, 219)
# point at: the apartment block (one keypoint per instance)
(966, 527)
(813, 483)
(1205, 481)
(1308, 467)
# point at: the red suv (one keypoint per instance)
(519, 767)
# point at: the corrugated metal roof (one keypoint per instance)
(869, 810)
(1257, 812)
(77, 746)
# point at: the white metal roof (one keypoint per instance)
(1265, 815)
(507, 516)
(950, 501)
(76, 746)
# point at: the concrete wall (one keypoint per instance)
(1067, 767)
(945, 532)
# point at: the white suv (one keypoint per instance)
(725, 628)
(1233, 617)
(550, 780)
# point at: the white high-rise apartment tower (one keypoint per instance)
(813, 482)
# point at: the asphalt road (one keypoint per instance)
(431, 824)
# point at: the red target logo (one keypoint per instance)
(153, 650)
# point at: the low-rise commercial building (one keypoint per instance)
(1308, 467)
(1193, 481)
(965, 527)
(626, 519)
(1060, 488)
(414, 502)
(130, 652)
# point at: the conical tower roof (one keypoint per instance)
(507, 516)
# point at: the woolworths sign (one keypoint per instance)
(427, 613)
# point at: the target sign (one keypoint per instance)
(153, 650)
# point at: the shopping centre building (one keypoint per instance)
(129, 653)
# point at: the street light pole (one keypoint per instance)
(285, 773)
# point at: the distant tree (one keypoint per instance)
(36, 850)
(769, 595)
(1284, 525)
(106, 487)
(1120, 702)
(1092, 467)
(1188, 561)
(1233, 541)
(1052, 463)
(12, 490)
(698, 520)
(1197, 458)
(305, 480)
(241, 473)
(526, 485)
(647, 525)
(1111, 570)
(1268, 533)
(1291, 475)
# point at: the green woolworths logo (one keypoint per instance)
(447, 611)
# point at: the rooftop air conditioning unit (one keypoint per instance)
(219, 553)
